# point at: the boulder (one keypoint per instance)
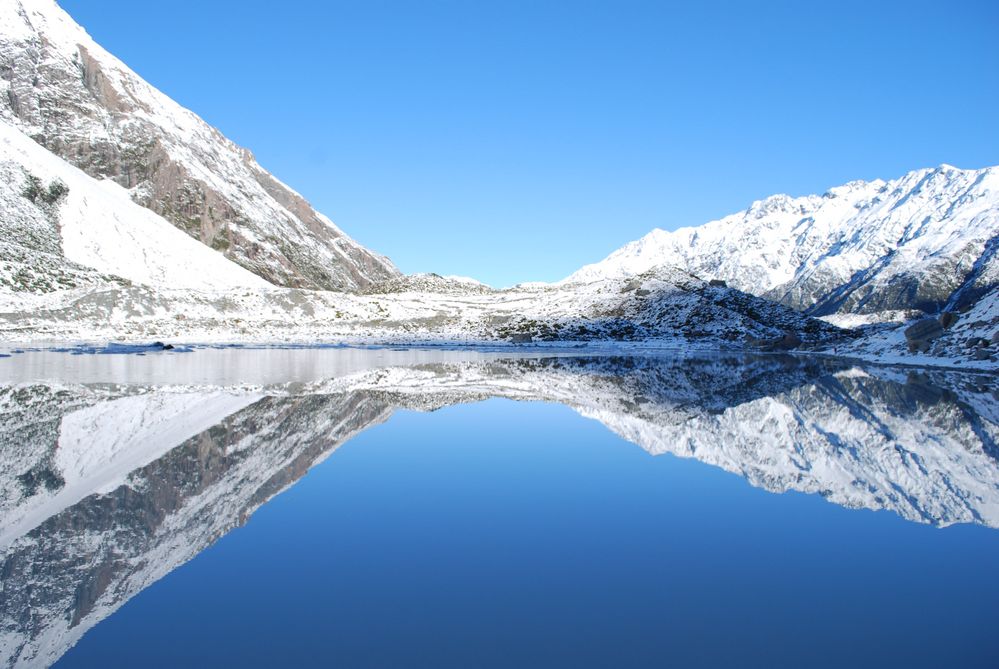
(522, 338)
(785, 342)
(789, 340)
(947, 319)
(982, 354)
(926, 330)
(717, 283)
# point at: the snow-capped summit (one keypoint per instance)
(77, 100)
(924, 241)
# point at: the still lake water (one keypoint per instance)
(385, 508)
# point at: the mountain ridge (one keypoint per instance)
(865, 247)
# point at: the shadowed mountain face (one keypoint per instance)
(108, 487)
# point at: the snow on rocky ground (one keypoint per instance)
(430, 283)
(976, 332)
(684, 315)
(667, 306)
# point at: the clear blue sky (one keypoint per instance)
(517, 140)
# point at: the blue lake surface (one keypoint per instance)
(480, 531)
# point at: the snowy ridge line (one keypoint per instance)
(862, 248)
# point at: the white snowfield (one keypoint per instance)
(859, 238)
(102, 228)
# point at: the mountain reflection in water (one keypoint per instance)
(109, 485)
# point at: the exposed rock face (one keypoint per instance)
(62, 229)
(84, 105)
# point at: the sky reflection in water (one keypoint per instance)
(503, 533)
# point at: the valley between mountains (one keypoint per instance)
(125, 217)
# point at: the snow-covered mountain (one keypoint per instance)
(78, 101)
(94, 526)
(82, 261)
(925, 241)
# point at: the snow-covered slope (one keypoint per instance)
(865, 247)
(80, 102)
(95, 224)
